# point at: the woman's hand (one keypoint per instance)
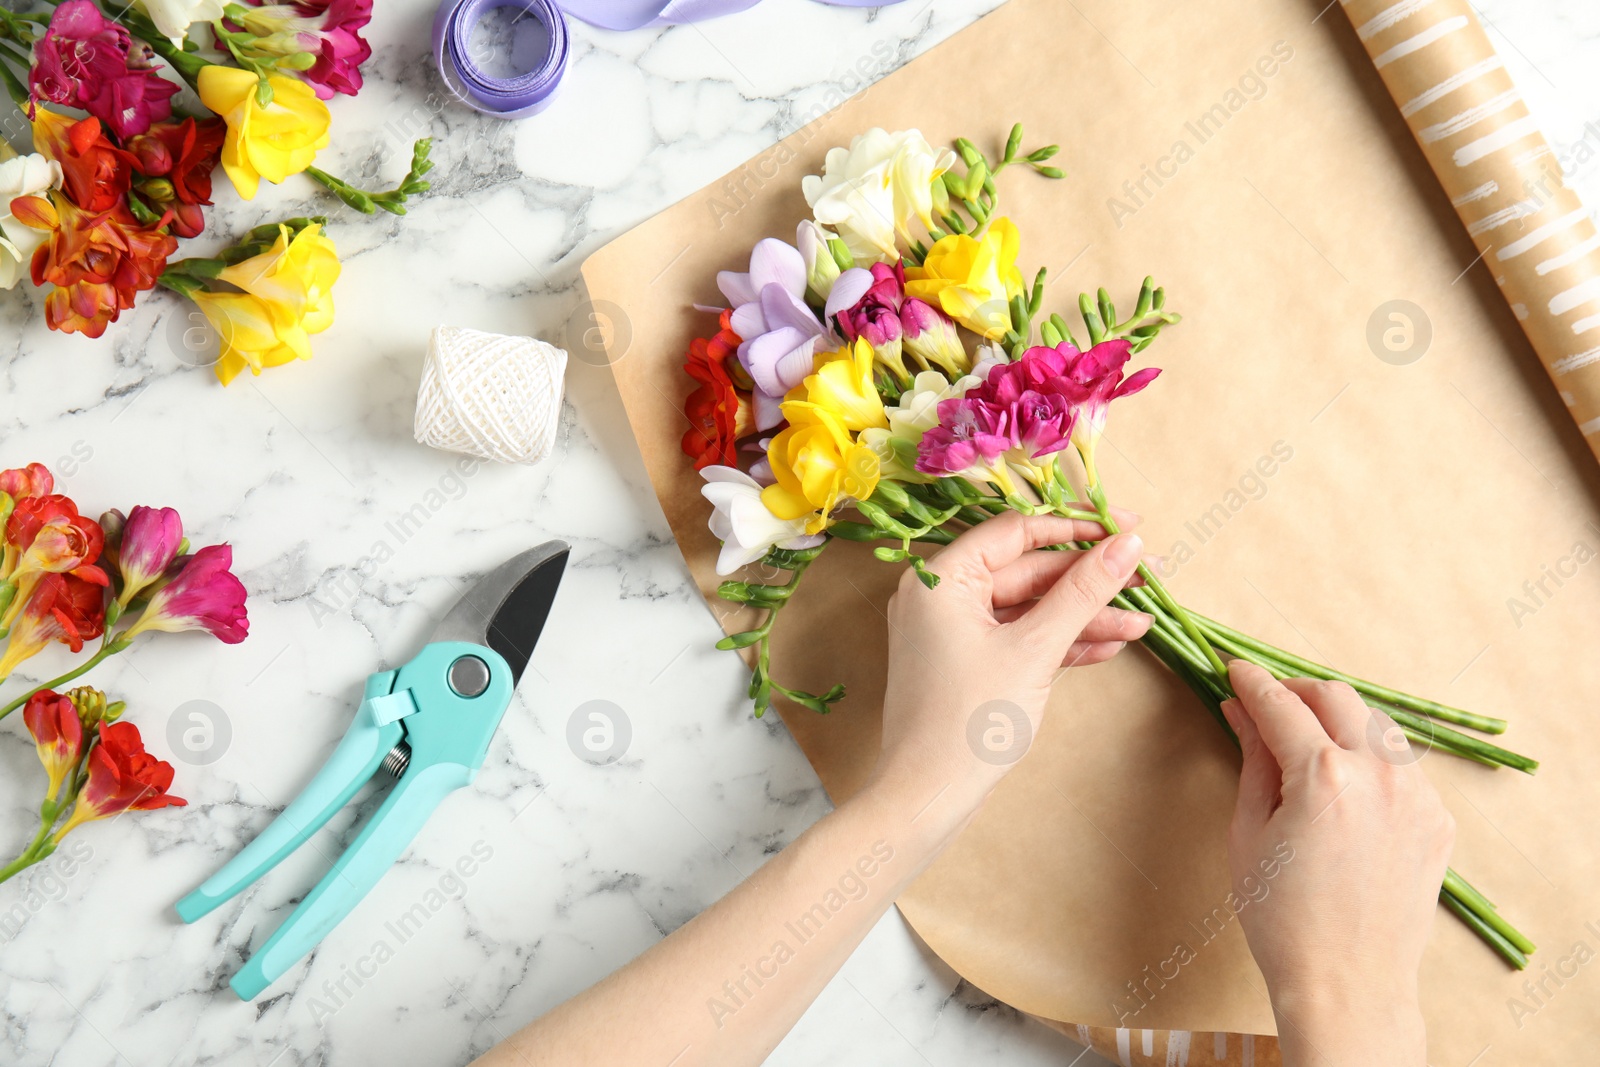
(1356, 845)
(971, 661)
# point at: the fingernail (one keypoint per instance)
(1122, 554)
(1230, 711)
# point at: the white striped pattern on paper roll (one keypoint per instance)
(1502, 178)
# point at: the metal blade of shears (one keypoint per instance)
(506, 610)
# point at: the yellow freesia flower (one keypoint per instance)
(817, 465)
(287, 296)
(269, 142)
(843, 385)
(972, 279)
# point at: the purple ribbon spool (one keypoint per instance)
(506, 98)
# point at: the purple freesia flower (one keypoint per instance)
(87, 61)
(150, 541)
(779, 331)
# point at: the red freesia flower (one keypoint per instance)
(205, 595)
(719, 414)
(24, 482)
(95, 173)
(57, 732)
(54, 539)
(185, 154)
(98, 263)
(87, 61)
(62, 607)
(122, 777)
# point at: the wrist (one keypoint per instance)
(926, 811)
(1336, 1024)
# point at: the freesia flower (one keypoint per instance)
(329, 30)
(780, 332)
(269, 142)
(98, 262)
(57, 735)
(21, 176)
(818, 466)
(46, 535)
(92, 706)
(870, 192)
(174, 17)
(87, 61)
(876, 317)
(931, 339)
(24, 482)
(287, 296)
(744, 525)
(822, 270)
(183, 155)
(843, 385)
(972, 279)
(62, 608)
(972, 434)
(205, 595)
(95, 173)
(914, 414)
(150, 539)
(1090, 382)
(122, 777)
(719, 415)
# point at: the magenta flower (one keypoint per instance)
(150, 541)
(931, 338)
(876, 316)
(971, 431)
(204, 596)
(328, 30)
(1041, 423)
(1092, 380)
(87, 61)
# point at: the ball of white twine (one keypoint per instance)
(490, 396)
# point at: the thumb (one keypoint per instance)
(1078, 595)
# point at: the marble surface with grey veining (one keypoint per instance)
(574, 868)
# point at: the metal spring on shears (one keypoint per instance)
(397, 760)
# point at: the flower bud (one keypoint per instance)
(91, 705)
(158, 189)
(931, 338)
(821, 269)
(154, 157)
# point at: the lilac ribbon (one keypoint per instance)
(530, 93)
(508, 98)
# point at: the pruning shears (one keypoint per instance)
(428, 725)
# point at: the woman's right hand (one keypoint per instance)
(1356, 845)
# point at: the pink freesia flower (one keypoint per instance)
(85, 60)
(205, 595)
(971, 432)
(930, 337)
(23, 482)
(330, 30)
(876, 316)
(150, 541)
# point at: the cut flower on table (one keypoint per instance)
(905, 382)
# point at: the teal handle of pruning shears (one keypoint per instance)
(353, 762)
(448, 736)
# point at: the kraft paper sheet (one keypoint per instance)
(1413, 508)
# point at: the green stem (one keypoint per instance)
(1480, 926)
(106, 651)
(30, 855)
(1458, 887)
(1430, 708)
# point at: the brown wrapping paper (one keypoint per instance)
(1501, 176)
(1420, 516)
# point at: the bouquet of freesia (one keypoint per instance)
(893, 378)
(96, 211)
(69, 579)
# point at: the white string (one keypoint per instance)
(490, 396)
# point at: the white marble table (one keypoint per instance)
(304, 469)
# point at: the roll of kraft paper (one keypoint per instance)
(530, 93)
(1505, 182)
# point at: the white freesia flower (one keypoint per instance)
(871, 191)
(915, 414)
(22, 176)
(744, 525)
(822, 270)
(173, 17)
